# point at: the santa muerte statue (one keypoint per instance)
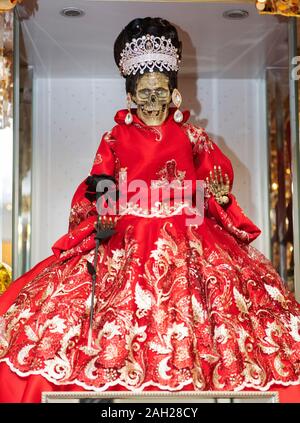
(152, 289)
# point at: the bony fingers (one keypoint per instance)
(103, 221)
(210, 181)
(227, 180)
(220, 175)
(215, 173)
(108, 222)
(225, 185)
(212, 175)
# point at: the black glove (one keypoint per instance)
(91, 192)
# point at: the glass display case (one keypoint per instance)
(201, 305)
(6, 147)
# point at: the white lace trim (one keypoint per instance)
(144, 385)
(159, 210)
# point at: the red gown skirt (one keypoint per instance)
(177, 308)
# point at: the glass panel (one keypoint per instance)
(295, 149)
(284, 171)
(296, 158)
(25, 154)
(280, 175)
(6, 146)
(22, 154)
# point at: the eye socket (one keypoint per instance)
(162, 92)
(145, 93)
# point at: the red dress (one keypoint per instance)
(178, 307)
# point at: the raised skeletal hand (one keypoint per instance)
(217, 186)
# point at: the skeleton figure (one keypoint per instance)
(152, 97)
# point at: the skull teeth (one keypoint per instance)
(151, 112)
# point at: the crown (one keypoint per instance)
(147, 53)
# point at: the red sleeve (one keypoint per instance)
(231, 217)
(83, 214)
(104, 162)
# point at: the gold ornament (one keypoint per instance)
(6, 5)
(177, 100)
(260, 6)
(279, 7)
(5, 276)
(128, 118)
(6, 69)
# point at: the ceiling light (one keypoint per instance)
(236, 14)
(72, 12)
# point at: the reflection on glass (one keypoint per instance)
(25, 154)
(6, 146)
(280, 174)
(22, 154)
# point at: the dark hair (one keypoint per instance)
(143, 26)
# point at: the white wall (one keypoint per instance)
(70, 116)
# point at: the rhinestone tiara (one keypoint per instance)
(148, 53)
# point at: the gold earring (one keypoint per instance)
(177, 100)
(128, 118)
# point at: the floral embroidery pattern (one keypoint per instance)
(198, 137)
(108, 137)
(80, 211)
(98, 159)
(175, 305)
(150, 129)
(169, 174)
(186, 314)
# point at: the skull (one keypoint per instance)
(152, 97)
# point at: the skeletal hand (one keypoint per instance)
(107, 222)
(217, 186)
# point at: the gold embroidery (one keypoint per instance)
(190, 313)
(108, 137)
(169, 174)
(199, 138)
(98, 159)
(150, 129)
